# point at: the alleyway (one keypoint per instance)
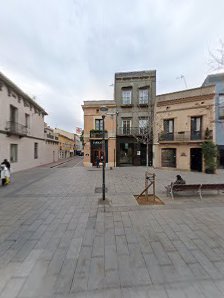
(57, 241)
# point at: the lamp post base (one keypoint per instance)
(104, 202)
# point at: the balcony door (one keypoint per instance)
(168, 126)
(196, 128)
(13, 118)
(99, 124)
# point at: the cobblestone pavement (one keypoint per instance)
(56, 240)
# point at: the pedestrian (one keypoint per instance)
(5, 175)
(6, 163)
(97, 162)
(179, 180)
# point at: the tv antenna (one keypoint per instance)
(182, 77)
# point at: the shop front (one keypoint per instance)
(97, 151)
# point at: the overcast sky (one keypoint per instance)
(66, 51)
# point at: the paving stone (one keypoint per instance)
(122, 246)
(96, 274)
(98, 247)
(206, 264)
(181, 267)
(74, 248)
(160, 253)
(130, 276)
(12, 288)
(63, 284)
(184, 252)
(56, 241)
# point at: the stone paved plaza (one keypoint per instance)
(56, 240)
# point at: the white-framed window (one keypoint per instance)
(126, 126)
(143, 126)
(35, 150)
(143, 96)
(221, 106)
(13, 152)
(126, 96)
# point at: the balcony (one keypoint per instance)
(132, 131)
(126, 105)
(49, 136)
(98, 134)
(185, 136)
(14, 128)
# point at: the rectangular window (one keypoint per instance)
(99, 124)
(221, 106)
(13, 152)
(196, 128)
(13, 114)
(143, 95)
(27, 120)
(168, 158)
(126, 96)
(126, 127)
(143, 126)
(35, 150)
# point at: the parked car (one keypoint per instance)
(79, 152)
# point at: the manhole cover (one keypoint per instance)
(99, 189)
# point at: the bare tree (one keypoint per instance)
(144, 132)
(216, 61)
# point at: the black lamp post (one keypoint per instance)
(103, 147)
(104, 110)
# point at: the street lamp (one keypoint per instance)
(103, 110)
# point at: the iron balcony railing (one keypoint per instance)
(16, 128)
(133, 131)
(185, 136)
(98, 134)
(49, 136)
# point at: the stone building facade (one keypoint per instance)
(134, 94)
(183, 121)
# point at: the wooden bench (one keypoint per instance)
(193, 187)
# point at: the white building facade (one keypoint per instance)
(22, 138)
(51, 145)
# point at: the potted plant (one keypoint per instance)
(209, 151)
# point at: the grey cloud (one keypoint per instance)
(67, 51)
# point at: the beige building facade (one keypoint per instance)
(66, 143)
(93, 132)
(183, 121)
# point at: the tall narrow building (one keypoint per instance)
(135, 94)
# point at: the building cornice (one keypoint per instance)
(185, 100)
(11, 86)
